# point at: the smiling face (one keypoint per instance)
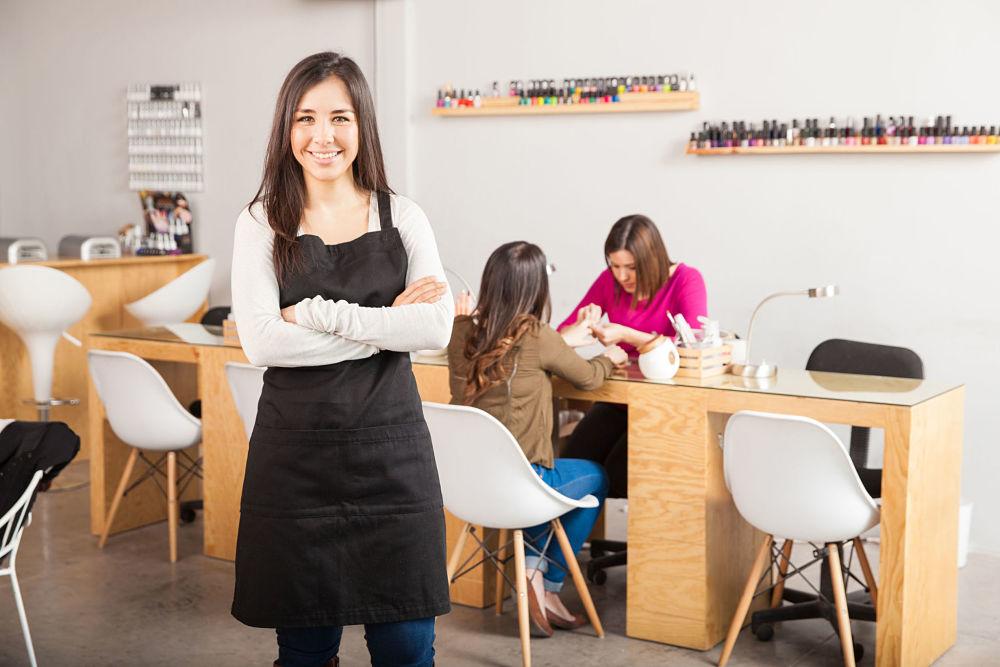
(324, 136)
(622, 264)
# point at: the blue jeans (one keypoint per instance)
(400, 644)
(574, 478)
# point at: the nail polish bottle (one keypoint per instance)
(790, 133)
(682, 84)
(692, 86)
(477, 101)
(992, 137)
(692, 142)
(440, 100)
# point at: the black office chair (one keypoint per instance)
(843, 356)
(214, 317)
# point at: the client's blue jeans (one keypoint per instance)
(574, 478)
(400, 644)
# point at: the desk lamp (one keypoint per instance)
(764, 369)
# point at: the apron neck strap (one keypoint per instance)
(384, 210)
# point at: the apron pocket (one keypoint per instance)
(354, 472)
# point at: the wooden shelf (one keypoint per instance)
(803, 150)
(630, 103)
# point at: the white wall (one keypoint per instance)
(63, 165)
(911, 239)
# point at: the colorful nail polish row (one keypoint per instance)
(896, 131)
(599, 90)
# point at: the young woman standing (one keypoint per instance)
(334, 280)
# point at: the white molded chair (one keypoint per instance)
(177, 300)
(245, 383)
(792, 476)
(12, 526)
(514, 497)
(145, 415)
(39, 303)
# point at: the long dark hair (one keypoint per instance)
(513, 299)
(282, 189)
(637, 234)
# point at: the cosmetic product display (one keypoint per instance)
(165, 230)
(661, 92)
(875, 134)
(165, 137)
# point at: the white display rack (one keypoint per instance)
(165, 137)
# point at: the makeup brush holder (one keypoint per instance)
(703, 362)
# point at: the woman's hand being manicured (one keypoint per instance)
(617, 355)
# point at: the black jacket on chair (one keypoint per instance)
(26, 447)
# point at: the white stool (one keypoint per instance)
(39, 303)
(177, 300)
(146, 416)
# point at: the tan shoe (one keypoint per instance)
(539, 624)
(558, 622)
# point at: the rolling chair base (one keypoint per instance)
(809, 605)
(601, 559)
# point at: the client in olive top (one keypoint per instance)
(500, 360)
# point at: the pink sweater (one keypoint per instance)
(684, 293)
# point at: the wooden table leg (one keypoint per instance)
(689, 549)
(224, 447)
(918, 573)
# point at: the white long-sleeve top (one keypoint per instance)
(329, 332)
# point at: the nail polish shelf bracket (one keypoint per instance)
(813, 150)
(631, 103)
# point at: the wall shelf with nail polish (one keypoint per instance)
(630, 103)
(896, 135)
(800, 150)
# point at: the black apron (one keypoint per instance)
(341, 521)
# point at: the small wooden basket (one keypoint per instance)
(704, 362)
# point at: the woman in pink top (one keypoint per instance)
(639, 266)
(639, 287)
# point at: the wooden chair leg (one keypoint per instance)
(456, 554)
(779, 588)
(578, 580)
(172, 506)
(759, 563)
(119, 494)
(521, 580)
(866, 568)
(501, 554)
(840, 600)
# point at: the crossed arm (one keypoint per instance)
(318, 331)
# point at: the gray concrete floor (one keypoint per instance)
(127, 605)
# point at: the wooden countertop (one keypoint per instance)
(141, 259)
